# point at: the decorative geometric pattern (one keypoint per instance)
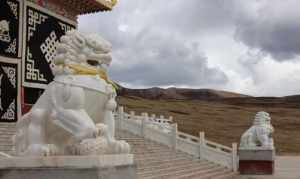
(34, 19)
(12, 48)
(65, 27)
(8, 92)
(4, 31)
(14, 8)
(42, 33)
(10, 112)
(10, 23)
(49, 48)
(11, 74)
(33, 73)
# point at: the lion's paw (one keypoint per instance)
(101, 130)
(42, 150)
(120, 147)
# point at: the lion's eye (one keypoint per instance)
(93, 62)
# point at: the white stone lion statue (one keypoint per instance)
(74, 116)
(260, 134)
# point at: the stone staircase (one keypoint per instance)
(7, 130)
(156, 161)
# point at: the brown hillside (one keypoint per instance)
(224, 119)
(177, 93)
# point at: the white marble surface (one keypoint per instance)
(74, 115)
(259, 135)
(81, 162)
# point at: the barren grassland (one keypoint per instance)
(224, 121)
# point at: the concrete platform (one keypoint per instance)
(65, 167)
(286, 167)
(256, 161)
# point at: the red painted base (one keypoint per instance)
(254, 167)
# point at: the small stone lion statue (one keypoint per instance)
(260, 134)
(74, 116)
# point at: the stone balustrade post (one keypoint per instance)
(120, 117)
(144, 123)
(174, 136)
(161, 118)
(234, 157)
(201, 144)
(153, 116)
(171, 118)
(132, 114)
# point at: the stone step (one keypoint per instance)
(183, 171)
(172, 167)
(158, 162)
(143, 143)
(144, 150)
(167, 164)
(7, 124)
(6, 142)
(228, 175)
(155, 160)
(214, 175)
(10, 129)
(8, 152)
(6, 147)
(155, 156)
(131, 138)
(6, 136)
(149, 146)
(151, 160)
(6, 131)
(146, 144)
(208, 173)
(147, 151)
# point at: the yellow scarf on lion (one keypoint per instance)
(83, 70)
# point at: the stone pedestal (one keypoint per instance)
(256, 161)
(69, 167)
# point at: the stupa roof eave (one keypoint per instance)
(88, 6)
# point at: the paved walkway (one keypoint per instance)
(286, 167)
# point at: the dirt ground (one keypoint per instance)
(225, 121)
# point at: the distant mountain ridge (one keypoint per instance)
(203, 94)
(178, 93)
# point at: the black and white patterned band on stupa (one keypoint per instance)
(9, 88)
(10, 28)
(42, 33)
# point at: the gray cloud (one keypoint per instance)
(155, 46)
(223, 44)
(164, 61)
(272, 27)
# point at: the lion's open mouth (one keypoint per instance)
(93, 62)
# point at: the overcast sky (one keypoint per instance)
(250, 46)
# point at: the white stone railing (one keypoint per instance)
(162, 131)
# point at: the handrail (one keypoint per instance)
(181, 135)
(197, 146)
(218, 146)
(188, 137)
(2, 154)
